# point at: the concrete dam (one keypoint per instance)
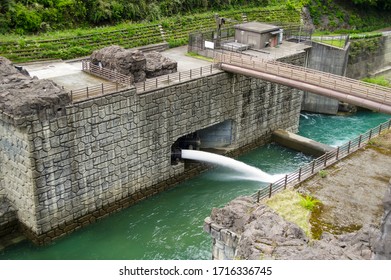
(64, 165)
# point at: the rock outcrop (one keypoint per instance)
(158, 65)
(382, 245)
(133, 62)
(21, 95)
(266, 235)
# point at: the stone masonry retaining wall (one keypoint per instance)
(65, 169)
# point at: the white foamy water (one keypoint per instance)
(248, 172)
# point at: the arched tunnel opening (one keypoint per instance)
(214, 138)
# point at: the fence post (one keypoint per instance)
(270, 190)
(168, 79)
(313, 167)
(116, 85)
(156, 82)
(72, 95)
(286, 181)
(102, 89)
(350, 142)
(325, 159)
(299, 174)
(380, 128)
(190, 73)
(201, 72)
(144, 85)
(389, 124)
(359, 141)
(211, 69)
(258, 196)
(370, 135)
(87, 91)
(179, 76)
(337, 153)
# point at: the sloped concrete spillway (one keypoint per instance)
(245, 171)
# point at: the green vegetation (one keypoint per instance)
(288, 205)
(309, 202)
(81, 42)
(381, 81)
(31, 16)
(356, 15)
(64, 29)
(323, 173)
(318, 225)
(195, 55)
(339, 43)
(363, 47)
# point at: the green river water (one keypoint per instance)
(170, 225)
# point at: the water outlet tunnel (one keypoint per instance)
(214, 137)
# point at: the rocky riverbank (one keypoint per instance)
(352, 221)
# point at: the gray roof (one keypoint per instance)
(257, 27)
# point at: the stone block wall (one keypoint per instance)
(16, 170)
(224, 240)
(65, 169)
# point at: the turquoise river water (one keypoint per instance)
(170, 225)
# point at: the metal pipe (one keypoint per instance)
(355, 100)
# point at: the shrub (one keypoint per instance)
(323, 173)
(308, 202)
(26, 19)
(381, 81)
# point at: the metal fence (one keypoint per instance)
(94, 91)
(163, 81)
(339, 41)
(329, 158)
(120, 82)
(107, 74)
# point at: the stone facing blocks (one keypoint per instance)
(66, 168)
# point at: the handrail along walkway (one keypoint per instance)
(356, 92)
(320, 163)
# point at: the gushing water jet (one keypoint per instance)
(249, 172)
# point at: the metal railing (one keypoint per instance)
(178, 77)
(326, 80)
(107, 74)
(121, 82)
(329, 158)
(93, 91)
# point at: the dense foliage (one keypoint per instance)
(353, 15)
(26, 16)
(32, 16)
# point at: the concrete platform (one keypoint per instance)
(69, 75)
(300, 143)
(285, 49)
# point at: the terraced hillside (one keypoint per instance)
(174, 30)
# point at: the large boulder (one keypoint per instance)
(133, 62)
(158, 65)
(21, 95)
